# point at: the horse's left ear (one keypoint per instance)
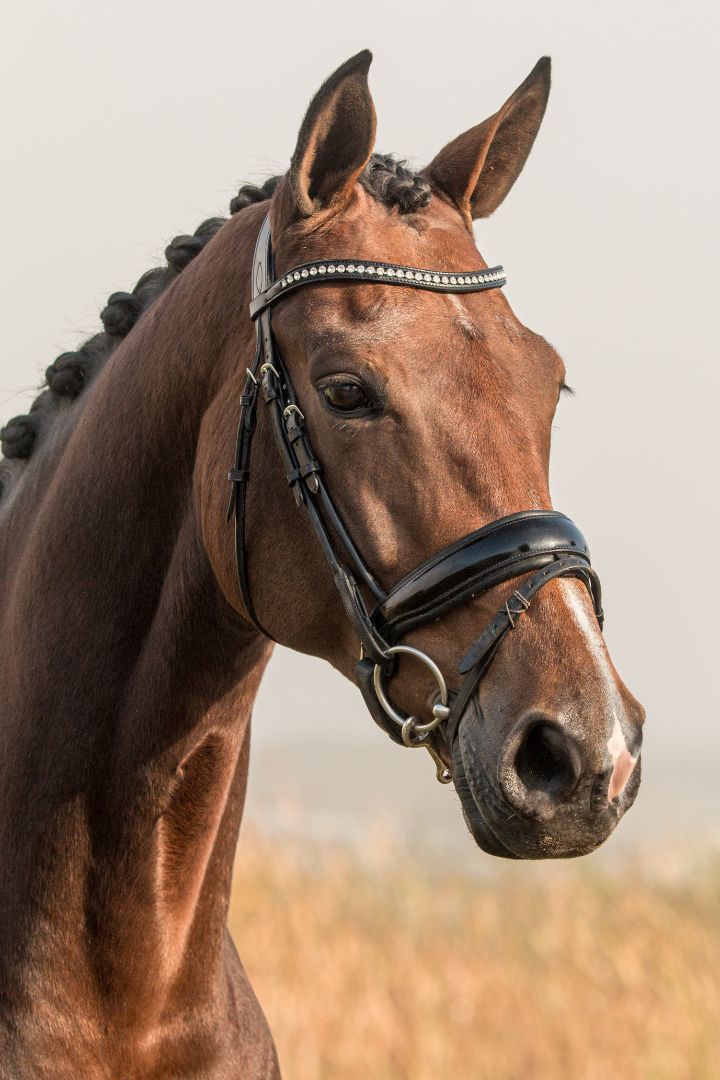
(478, 168)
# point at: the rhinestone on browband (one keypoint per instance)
(495, 275)
(380, 273)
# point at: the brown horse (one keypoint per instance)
(129, 664)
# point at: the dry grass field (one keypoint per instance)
(380, 969)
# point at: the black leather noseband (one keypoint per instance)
(501, 550)
(537, 545)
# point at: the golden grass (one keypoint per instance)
(372, 972)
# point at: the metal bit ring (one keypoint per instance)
(440, 709)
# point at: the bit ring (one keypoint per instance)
(440, 708)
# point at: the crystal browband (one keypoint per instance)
(386, 273)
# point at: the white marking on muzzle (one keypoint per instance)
(623, 761)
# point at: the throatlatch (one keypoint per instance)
(543, 544)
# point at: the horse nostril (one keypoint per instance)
(548, 761)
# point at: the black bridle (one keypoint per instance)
(542, 544)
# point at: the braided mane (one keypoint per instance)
(384, 177)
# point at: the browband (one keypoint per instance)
(382, 273)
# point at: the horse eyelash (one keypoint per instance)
(565, 389)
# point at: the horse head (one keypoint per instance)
(414, 425)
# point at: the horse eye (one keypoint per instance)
(346, 397)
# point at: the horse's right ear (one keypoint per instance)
(334, 145)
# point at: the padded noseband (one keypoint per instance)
(504, 549)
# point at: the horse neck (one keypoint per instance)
(127, 680)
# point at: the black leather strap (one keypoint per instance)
(270, 377)
(478, 658)
(239, 475)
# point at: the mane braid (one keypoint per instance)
(390, 181)
(385, 177)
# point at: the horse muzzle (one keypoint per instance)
(540, 790)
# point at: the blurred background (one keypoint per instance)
(382, 943)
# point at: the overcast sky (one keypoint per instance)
(124, 125)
